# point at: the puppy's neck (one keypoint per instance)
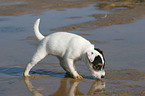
(84, 57)
(91, 47)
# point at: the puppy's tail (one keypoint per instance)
(36, 30)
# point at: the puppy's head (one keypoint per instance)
(97, 62)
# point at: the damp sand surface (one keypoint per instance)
(115, 27)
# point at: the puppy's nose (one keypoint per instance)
(102, 76)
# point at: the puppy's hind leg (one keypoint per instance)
(39, 55)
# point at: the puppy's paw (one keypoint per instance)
(26, 75)
(78, 77)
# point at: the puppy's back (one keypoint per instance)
(60, 43)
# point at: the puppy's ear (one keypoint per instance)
(91, 55)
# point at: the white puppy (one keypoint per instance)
(68, 48)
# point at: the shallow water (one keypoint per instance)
(123, 46)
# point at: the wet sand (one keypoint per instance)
(115, 27)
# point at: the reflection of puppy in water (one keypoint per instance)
(73, 90)
(68, 48)
(97, 86)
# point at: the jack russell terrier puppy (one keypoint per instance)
(69, 48)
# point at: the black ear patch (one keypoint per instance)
(101, 52)
(97, 63)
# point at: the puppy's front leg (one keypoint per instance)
(71, 68)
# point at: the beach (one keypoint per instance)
(116, 27)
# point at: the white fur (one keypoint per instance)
(67, 47)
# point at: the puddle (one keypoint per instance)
(11, 29)
(12, 3)
(123, 45)
(75, 87)
(70, 16)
